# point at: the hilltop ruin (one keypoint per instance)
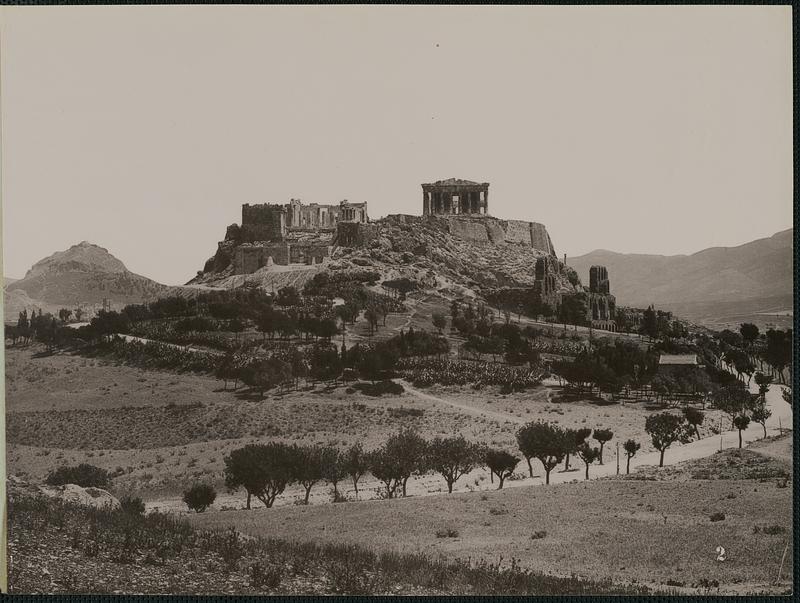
(454, 240)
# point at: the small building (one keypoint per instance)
(678, 363)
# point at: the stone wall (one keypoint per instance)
(598, 280)
(495, 231)
(354, 234)
(308, 254)
(249, 258)
(468, 230)
(498, 232)
(601, 307)
(517, 231)
(264, 222)
(540, 239)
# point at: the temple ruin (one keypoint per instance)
(601, 304)
(291, 233)
(454, 197)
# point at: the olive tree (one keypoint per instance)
(694, 418)
(588, 455)
(500, 463)
(631, 448)
(741, 422)
(545, 442)
(602, 436)
(573, 439)
(356, 464)
(452, 458)
(263, 470)
(308, 466)
(665, 429)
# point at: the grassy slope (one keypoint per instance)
(610, 527)
(162, 431)
(112, 552)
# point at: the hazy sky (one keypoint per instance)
(636, 129)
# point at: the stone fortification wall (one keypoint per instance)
(468, 230)
(495, 231)
(355, 234)
(264, 222)
(540, 239)
(517, 231)
(308, 254)
(487, 230)
(249, 258)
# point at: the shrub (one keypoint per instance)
(199, 497)
(353, 573)
(446, 533)
(269, 576)
(230, 549)
(400, 412)
(538, 534)
(131, 505)
(380, 388)
(717, 516)
(769, 530)
(83, 475)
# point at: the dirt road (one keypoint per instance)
(490, 414)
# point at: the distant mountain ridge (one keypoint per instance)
(81, 276)
(760, 269)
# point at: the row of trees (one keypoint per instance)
(743, 349)
(323, 361)
(265, 470)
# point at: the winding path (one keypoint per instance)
(490, 414)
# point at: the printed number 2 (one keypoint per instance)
(720, 553)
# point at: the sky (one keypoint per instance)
(144, 129)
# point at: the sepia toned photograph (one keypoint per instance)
(397, 300)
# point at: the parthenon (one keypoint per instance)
(454, 196)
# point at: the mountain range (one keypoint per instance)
(719, 286)
(751, 279)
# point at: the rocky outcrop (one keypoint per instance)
(86, 497)
(69, 493)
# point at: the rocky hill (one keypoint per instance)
(81, 276)
(470, 253)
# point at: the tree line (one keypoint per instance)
(265, 470)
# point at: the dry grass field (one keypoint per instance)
(658, 533)
(158, 432)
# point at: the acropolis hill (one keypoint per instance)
(455, 243)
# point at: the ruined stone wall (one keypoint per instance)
(601, 307)
(540, 239)
(264, 222)
(249, 258)
(495, 231)
(308, 254)
(517, 231)
(485, 230)
(468, 230)
(355, 234)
